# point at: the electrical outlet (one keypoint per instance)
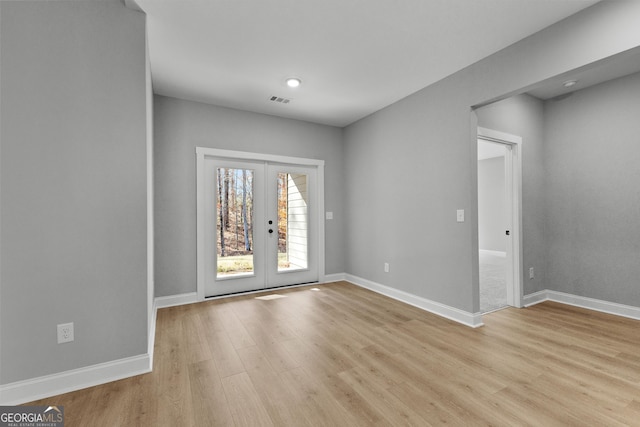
(530, 272)
(386, 267)
(65, 332)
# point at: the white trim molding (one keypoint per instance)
(246, 155)
(151, 339)
(336, 277)
(535, 298)
(614, 308)
(179, 299)
(473, 320)
(76, 379)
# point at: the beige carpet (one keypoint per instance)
(493, 284)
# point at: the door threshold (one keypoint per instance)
(495, 309)
(241, 293)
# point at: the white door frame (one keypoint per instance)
(202, 153)
(513, 184)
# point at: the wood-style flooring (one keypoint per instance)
(342, 356)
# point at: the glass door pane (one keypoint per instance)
(293, 221)
(233, 226)
(234, 222)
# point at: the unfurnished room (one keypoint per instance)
(347, 212)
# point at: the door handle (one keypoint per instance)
(270, 231)
(508, 232)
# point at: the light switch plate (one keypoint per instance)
(329, 215)
(460, 215)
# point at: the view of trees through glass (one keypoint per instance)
(235, 220)
(283, 261)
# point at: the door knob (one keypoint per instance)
(508, 232)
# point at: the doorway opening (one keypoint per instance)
(492, 225)
(499, 196)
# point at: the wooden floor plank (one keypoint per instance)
(224, 354)
(253, 358)
(210, 406)
(244, 402)
(393, 410)
(272, 348)
(284, 406)
(343, 355)
(434, 405)
(195, 342)
(321, 406)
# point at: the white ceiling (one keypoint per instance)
(354, 56)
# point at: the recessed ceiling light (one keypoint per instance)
(569, 83)
(293, 82)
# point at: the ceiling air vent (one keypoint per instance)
(280, 100)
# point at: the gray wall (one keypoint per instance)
(73, 174)
(492, 205)
(180, 126)
(593, 196)
(427, 141)
(523, 115)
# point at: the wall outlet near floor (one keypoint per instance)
(530, 272)
(386, 267)
(65, 332)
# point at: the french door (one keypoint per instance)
(259, 224)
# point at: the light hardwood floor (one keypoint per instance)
(342, 356)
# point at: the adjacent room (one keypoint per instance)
(341, 213)
(492, 225)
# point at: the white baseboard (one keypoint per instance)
(473, 320)
(623, 310)
(535, 298)
(51, 385)
(336, 277)
(179, 299)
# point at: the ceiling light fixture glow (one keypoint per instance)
(569, 83)
(293, 82)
